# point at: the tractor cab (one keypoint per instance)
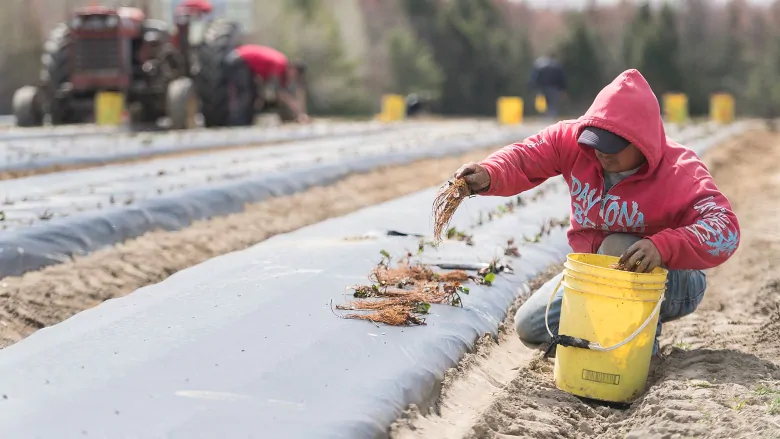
(102, 42)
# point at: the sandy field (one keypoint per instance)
(718, 375)
(51, 295)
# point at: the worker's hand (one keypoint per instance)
(642, 257)
(304, 118)
(476, 177)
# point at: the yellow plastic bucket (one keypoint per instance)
(607, 328)
(109, 107)
(722, 108)
(393, 108)
(540, 104)
(675, 107)
(510, 110)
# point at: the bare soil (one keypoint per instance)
(719, 373)
(51, 295)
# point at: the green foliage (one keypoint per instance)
(652, 47)
(763, 90)
(578, 53)
(306, 29)
(309, 8)
(482, 57)
(413, 66)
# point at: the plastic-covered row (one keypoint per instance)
(30, 151)
(55, 241)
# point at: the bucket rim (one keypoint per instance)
(572, 257)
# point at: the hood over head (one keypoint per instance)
(629, 108)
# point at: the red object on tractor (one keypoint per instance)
(201, 6)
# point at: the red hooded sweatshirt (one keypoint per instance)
(265, 62)
(672, 198)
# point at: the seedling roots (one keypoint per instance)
(447, 201)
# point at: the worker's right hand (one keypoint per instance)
(476, 176)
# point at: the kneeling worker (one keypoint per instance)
(249, 62)
(634, 192)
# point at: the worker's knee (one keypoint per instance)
(617, 243)
(530, 317)
(530, 328)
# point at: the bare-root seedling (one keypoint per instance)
(447, 201)
(400, 295)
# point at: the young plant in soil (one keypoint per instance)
(453, 233)
(486, 276)
(46, 215)
(511, 248)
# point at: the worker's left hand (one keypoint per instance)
(642, 257)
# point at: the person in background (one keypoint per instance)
(251, 61)
(549, 79)
(635, 194)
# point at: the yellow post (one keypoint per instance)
(675, 107)
(393, 108)
(510, 110)
(109, 107)
(722, 108)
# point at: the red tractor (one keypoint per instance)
(121, 50)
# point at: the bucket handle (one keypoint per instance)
(569, 341)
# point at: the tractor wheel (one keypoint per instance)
(220, 38)
(242, 92)
(55, 72)
(28, 107)
(182, 103)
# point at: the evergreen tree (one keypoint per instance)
(582, 63)
(660, 53)
(413, 66)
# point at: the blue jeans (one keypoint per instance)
(684, 293)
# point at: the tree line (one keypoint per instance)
(466, 53)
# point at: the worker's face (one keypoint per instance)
(626, 160)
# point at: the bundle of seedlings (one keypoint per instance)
(402, 306)
(447, 201)
(401, 295)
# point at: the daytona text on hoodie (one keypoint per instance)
(671, 199)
